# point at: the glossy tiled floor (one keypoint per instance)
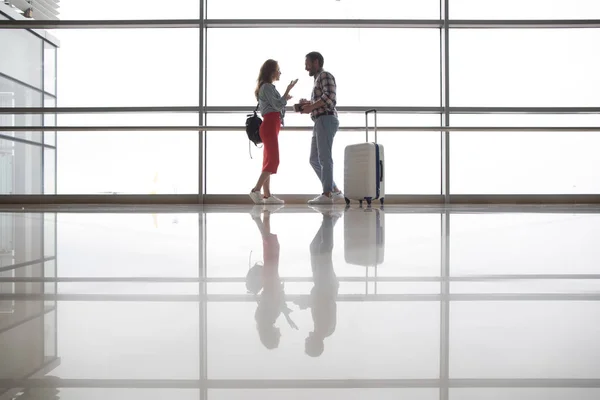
(237, 303)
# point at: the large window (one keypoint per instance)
(412, 158)
(510, 64)
(530, 9)
(317, 9)
(525, 162)
(367, 72)
(524, 68)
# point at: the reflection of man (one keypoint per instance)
(271, 302)
(323, 295)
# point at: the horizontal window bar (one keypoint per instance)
(343, 109)
(524, 110)
(243, 298)
(219, 23)
(296, 23)
(96, 110)
(524, 24)
(100, 24)
(390, 279)
(239, 128)
(33, 201)
(324, 23)
(585, 203)
(59, 383)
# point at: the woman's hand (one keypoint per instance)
(287, 96)
(291, 85)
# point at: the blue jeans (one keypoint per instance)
(320, 150)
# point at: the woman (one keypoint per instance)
(272, 108)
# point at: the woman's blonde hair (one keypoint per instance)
(265, 75)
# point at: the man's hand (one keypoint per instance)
(306, 108)
(304, 101)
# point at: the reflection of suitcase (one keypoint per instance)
(364, 236)
(363, 168)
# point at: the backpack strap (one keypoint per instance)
(250, 147)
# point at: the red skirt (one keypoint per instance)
(269, 132)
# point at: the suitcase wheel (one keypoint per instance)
(369, 200)
(347, 201)
(381, 201)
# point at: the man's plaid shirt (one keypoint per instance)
(324, 89)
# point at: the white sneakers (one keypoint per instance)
(258, 198)
(333, 198)
(273, 200)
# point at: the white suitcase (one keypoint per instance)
(364, 236)
(364, 168)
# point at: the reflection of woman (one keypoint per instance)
(271, 301)
(323, 295)
(272, 107)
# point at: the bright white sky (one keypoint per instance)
(373, 67)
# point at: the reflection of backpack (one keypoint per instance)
(253, 123)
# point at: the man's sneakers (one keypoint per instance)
(333, 198)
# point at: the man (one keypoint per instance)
(324, 115)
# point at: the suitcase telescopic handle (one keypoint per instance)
(374, 111)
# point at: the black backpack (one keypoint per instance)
(253, 123)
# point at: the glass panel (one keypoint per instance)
(128, 67)
(412, 158)
(50, 120)
(316, 9)
(531, 394)
(22, 168)
(49, 68)
(50, 272)
(115, 394)
(525, 162)
(530, 9)
(50, 334)
(21, 56)
(519, 243)
(49, 234)
(164, 162)
(525, 340)
(49, 171)
(524, 68)
(13, 94)
(395, 80)
(28, 239)
(132, 119)
(7, 166)
(131, 9)
(145, 337)
(322, 394)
